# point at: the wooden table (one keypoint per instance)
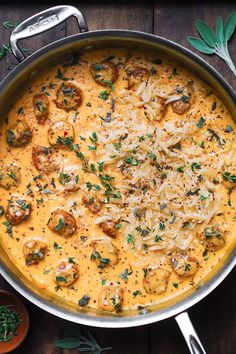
(214, 317)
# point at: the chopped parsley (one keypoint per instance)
(64, 178)
(161, 225)
(201, 122)
(136, 293)
(132, 161)
(109, 84)
(157, 238)
(124, 275)
(229, 177)
(103, 261)
(12, 175)
(60, 225)
(130, 239)
(60, 75)
(104, 95)
(187, 267)
(175, 285)
(84, 300)
(56, 246)
(180, 169)
(184, 98)
(100, 166)
(61, 279)
(9, 228)
(46, 271)
(90, 186)
(195, 166)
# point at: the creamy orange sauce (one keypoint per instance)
(215, 147)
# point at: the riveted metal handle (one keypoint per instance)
(42, 22)
(189, 333)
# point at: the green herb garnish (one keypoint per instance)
(136, 293)
(9, 321)
(109, 84)
(103, 261)
(60, 225)
(195, 166)
(124, 275)
(130, 239)
(84, 300)
(56, 246)
(216, 43)
(9, 228)
(61, 279)
(175, 285)
(229, 177)
(46, 271)
(157, 238)
(83, 342)
(201, 122)
(104, 95)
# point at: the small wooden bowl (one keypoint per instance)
(7, 298)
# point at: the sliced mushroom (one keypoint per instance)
(34, 250)
(111, 297)
(10, 176)
(109, 227)
(136, 74)
(213, 238)
(65, 273)
(156, 280)
(62, 223)
(184, 265)
(104, 73)
(159, 107)
(104, 252)
(69, 96)
(19, 134)
(41, 107)
(92, 203)
(60, 134)
(18, 210)
(69, 178)
(185, 102)
(44, 159)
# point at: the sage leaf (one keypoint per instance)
(230, 26)
(200, 45)
(216, 44)
(220, 31)
(68, 343)
(206, 33)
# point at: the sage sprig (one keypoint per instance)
(83, 342)
(215, 42)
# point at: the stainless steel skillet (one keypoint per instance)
(55, 52)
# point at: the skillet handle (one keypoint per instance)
(189, 333)
(42, 22)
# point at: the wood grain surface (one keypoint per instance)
(215, 316)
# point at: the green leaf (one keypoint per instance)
(230, 26)
(68, 343)
(200, 45)
(206, 33)
(220, 31)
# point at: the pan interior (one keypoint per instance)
(15, 83)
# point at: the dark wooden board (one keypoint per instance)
(214, 317)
